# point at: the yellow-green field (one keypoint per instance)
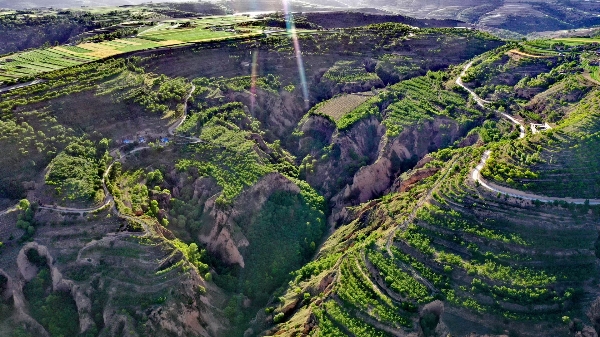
(341, 105)
(577, 40)
(167, 33)
(595, 73)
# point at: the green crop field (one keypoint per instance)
(349, 71)
(186, 35)
(168, 33)
(596, 74)
(577, 40)
(76, 49)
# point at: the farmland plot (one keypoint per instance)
(341, 105)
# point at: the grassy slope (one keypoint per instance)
(496, 258)
(497, 263)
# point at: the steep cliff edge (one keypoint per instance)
(224, 223)
(357, 157)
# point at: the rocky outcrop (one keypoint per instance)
(403, 184)
(27, 271)
(222, 234)
(379, 159)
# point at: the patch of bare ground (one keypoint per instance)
(120, 270)
(343, 104)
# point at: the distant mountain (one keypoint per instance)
(518, 16)
(521, 16)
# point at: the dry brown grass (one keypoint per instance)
(64, 50)
(132, 43)
(339, 106)
(515, 53)
(170, 42)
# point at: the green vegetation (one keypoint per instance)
(269, 83)
(326, 326)
(33, 63)
(422, 98)
(290, 225)
(226, 193)
(29, 64)
(338, 107)
(54, 310)
(398, 280)
(225, 153)
(349, 72)
(576, 40)
(362, 112)
(554, 163)
(413, 101)
(354, 325)
(157, 94)
(25, 219)
(358, 292)
(76, 173)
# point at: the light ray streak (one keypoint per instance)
(291, 29)
(253, 81)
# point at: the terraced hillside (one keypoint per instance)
(441, 253)
(30, 64)
(183, 168)
(370, 181)
(554, 163)
(498, 264)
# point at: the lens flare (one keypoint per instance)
(253, 81)
(291, 29)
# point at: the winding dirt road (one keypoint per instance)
(177, 124)
(108, 199)
(476, 176)
(480, 101)
(476, 173)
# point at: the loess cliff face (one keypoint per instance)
(365, 162)
(108, 284)
(224, 234)
(278, 112)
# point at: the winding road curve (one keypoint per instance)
(476, 173)
(480, 101)
(476, 176)
(177, 124)
(108, 199)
